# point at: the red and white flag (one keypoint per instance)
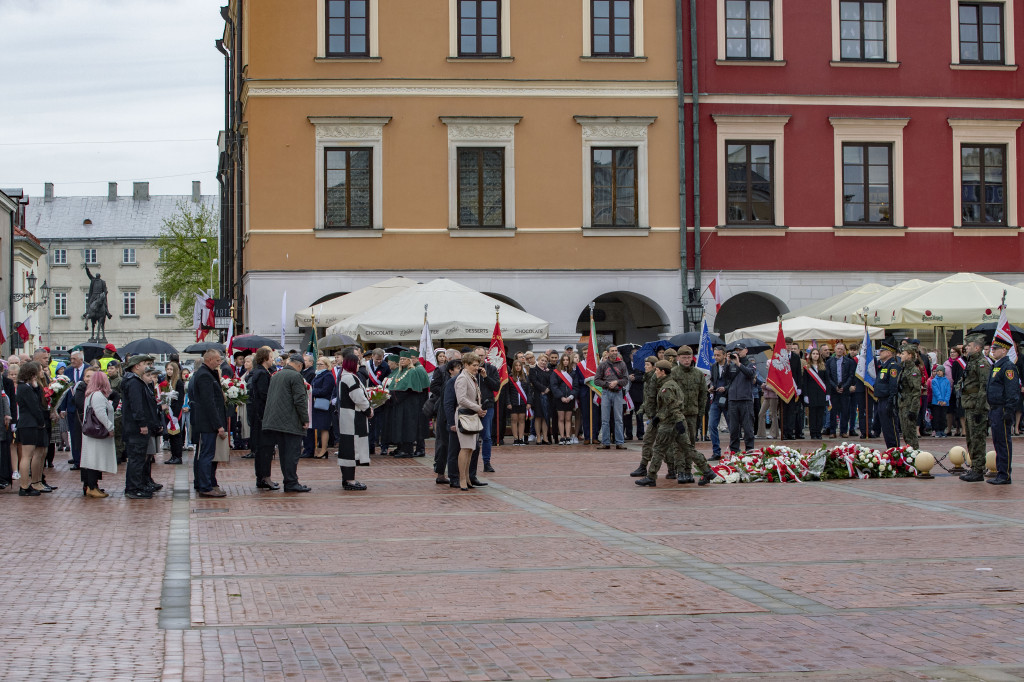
(780, 374)
(231, 339)
(3, 326)
(427, 348)
(1003, 333)
(715, 289)
(23, 330)
(203, 315)
(496, 356)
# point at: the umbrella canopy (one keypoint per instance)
(204, 346)
(880, 309)
(453, 310)
(806, 329)
(336, 341)
(337, 309)
(647, 350)
(989, 330)
(752, 345)
(92, 351)
(692, 339)
(960, 299)
(395, 350)
(253, 341)
(841, 306)
(147, 346)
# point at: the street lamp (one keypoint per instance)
(31, 279)
(694, 308)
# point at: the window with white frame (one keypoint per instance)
(128, 303)
(479, 29)
(868, 168)
(982, 35)
(348, 193)
(164, 306)
(60, 256)
(750, 162)
(90, 256)
(60, 304)
(864, 33)
(128, 256)
(347, 29)
(481, 172)
(161, 256)
(615, 171)
(749, 31)
(613, 29)
(985, 172)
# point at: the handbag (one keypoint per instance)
(323, 404)
(470, 422)
(92, 426)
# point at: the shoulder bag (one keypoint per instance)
(469, 421)
(92, 426)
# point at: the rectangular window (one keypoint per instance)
(748, 29)
(481, 187)
(750, 183)
(479, 28)
(862, 30)
(128, 256)
(348, 187)
(867, 184)
(613, 186)
(60, 257)
(128, 302)
(161, 256)
(611, 28)
(983, 184)
(90, 257)
(164, 306)
(348, 28)
(60, 304)
(981, 33)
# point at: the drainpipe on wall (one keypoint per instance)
(694, 58)
(681, 106)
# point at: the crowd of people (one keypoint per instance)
(303, 405)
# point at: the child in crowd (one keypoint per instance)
(940, 390)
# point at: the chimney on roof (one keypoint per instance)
(111, 191)
(48, 191)
(196, 194)
(140, 191)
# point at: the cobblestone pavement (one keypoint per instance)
(561, 568)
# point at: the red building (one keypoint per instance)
(847, 141)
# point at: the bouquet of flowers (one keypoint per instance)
(167, 396)
(851, 460)
(235, 391)
(56, 390)
(772, 463)
(902, 461)
(378, 395)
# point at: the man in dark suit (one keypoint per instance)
(377, 369)
(75, 372)
(793, 413)
(842, 373)
(209, 420)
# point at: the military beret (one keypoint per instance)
(671, 351)
(685, 350)
(1002, 343)
(977, 338)
(651, 359)
(664, 365)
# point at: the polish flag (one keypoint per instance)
(780, 375)
(427, 348)
(715, 289)
(3, 326)
(1003, 333)
(23, 330)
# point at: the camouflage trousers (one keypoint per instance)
(691, 456)
(647, 449)
(977, 432)
(667, 447)
(908, 425)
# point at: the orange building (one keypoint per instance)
(527, 149)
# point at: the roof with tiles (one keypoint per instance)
(64, 218)
(20, 232)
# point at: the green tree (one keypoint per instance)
(187, 262)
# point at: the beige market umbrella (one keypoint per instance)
(961, 299)
(879, 310)
(337, 309)
(805, 329)
(838, 307)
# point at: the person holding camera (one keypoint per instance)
(718, 401)
(740, 375)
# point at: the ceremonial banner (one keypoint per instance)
(427, 348)
(866, 362)
(780, 374)
(496, 356)
(1003, 333)
(705, 353)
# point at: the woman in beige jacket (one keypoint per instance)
(467, 397)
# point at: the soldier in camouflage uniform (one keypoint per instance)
(668, 422)
(909, 396)
(972, 385)
(695, 398)
(648, 409)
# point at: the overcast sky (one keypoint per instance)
(129, 74)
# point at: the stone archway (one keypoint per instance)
(624, 317)
(747, 309)
(504, 299)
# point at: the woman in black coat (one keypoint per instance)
(815, 393)
(563, 397)
(517, 403)
(540, 385)
(323, 387)
(32, 420)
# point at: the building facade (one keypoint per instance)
(531, 150)
(112, 237)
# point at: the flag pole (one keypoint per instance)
(867, 397)
(498, 424)
(592, 344)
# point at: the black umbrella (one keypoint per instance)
(692, 339)
(989, 330)
(395, 350)
(147, 346)
(92, 351)
(254, 341)
(204, 346)
(336, 341)
(752, 345)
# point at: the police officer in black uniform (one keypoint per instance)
(887, 391)
(1003, 394)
